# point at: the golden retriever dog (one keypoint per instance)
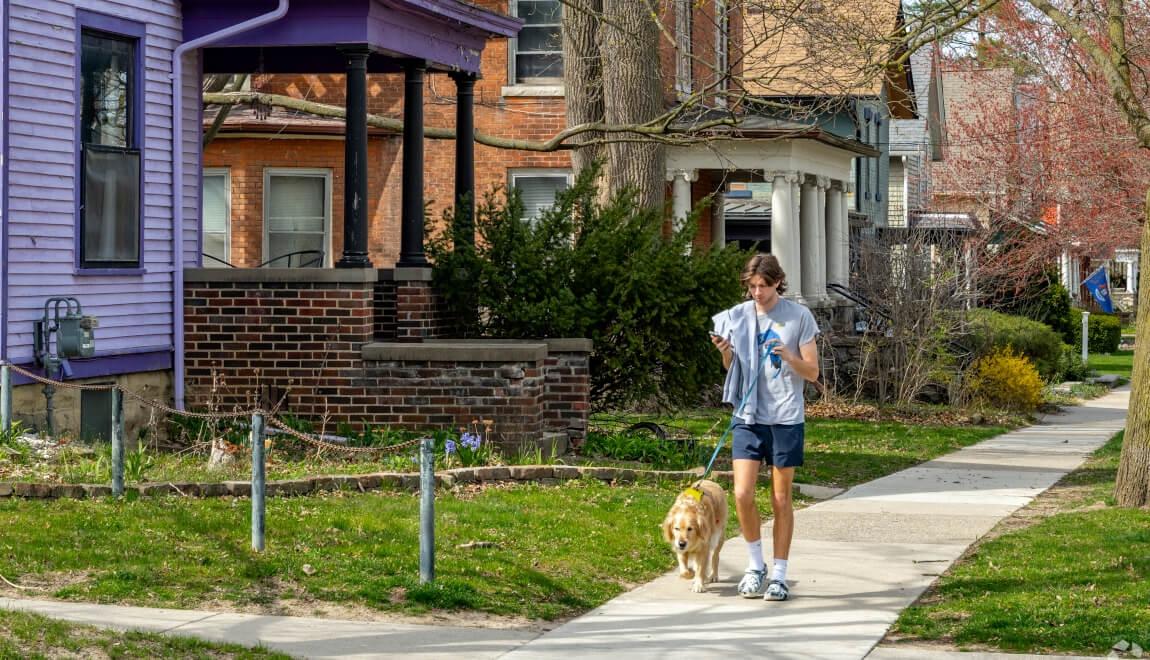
(696, 527)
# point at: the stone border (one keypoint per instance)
(544, 474)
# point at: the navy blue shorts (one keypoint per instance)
(780, 445)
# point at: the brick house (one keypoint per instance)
(816, 163)
(368, 344)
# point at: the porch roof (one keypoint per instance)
(449, 35)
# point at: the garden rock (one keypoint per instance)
(32, 491)
(492, 473)
(5, 490)
(531, 472)
(566, 472)
(238, 488)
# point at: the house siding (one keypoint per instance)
(135, 310)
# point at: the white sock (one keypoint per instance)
(779, 570)
(755, 554)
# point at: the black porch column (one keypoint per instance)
(411, 234)
(464, 157)
(355, 163)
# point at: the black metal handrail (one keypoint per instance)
(315, 260)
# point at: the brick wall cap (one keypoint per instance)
(406, 274)
(569, 345)
(292, 275)
(455, 351)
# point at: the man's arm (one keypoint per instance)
(806, 363)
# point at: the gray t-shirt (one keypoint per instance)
(779, 393)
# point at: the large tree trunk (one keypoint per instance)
(1133, 486)
(582, 62)
(632, 94)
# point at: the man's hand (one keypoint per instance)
(724, 347)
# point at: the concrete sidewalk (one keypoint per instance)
(856, 562)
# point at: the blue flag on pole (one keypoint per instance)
(1098, 284)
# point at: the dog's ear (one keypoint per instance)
(667, 523)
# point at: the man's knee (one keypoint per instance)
(744, 495)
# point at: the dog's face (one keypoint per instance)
(687, 527)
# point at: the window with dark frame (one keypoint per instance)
(537, 56)
(109, 155)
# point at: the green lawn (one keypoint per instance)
(838, 452)
(1119, 362)
(24, 635)
(545, 560)
(1076, 582)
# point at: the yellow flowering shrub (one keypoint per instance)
(1006, 379)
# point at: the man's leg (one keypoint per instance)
(746, 478)
(783, 531)
(784, 510)
(746, 473)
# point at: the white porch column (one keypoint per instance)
(1064, 266)
(785, 230)
(681, 195)
(837, 267)
(820, 246)
(809, 240)
(719, 221)
(1131, 277)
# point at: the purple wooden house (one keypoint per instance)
(101, 114)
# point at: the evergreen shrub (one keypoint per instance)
(992, 330)
(1105, 331)
(1006, 379)
(604, 270)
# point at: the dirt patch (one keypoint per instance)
(43, 583)
(306, 607)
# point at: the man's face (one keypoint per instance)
(762, 293)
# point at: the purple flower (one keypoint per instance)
(470, 440)
(449, 447)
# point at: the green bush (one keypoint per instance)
(606, 271)
(991, 331)
(1071, 365)
(1105, 331)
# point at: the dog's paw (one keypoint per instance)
(686, 574)
(698, 587)
(712, 578)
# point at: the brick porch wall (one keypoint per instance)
(361, 347)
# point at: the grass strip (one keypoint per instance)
(27, 635)
(1073, 582)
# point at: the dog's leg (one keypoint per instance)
(714, 576)
(701, 561)
(685, 571)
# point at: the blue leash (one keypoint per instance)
(738, 409)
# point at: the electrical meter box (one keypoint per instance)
(74, 338)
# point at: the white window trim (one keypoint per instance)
(270, 172)
(722, 52)
(541, 173)
(517, 87)
(684, 60)
(225, 172)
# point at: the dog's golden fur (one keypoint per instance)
(696, 529)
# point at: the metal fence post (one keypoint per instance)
(117, 443)
(258, 482)
(1085, 338)
(6, 396)
(426, 511)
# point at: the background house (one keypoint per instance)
(832, 156)
(86, 197)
